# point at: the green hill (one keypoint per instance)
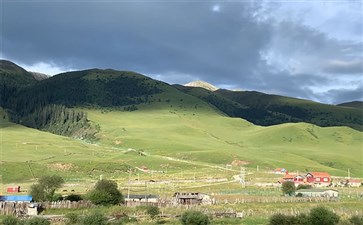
(354, 104)
(177, 139)
(266, 110)
(136, 121)
(12, 78)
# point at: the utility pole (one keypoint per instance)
(128, 188)
(243, 177)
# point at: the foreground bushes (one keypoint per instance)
(10, 220)
(194, 218)
(317, 216)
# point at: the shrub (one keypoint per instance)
(194, 218)
(45, 188)
(73, 198)
(280, 219)
(94, 219)
(72, 218)
(288, 188)
(105, 193)
(356, 220)
(57, 197)
(152, 211)
(322, 216)
(302, 219)
(304, 186)
(100, 197)
(37, 221)
(9, 220)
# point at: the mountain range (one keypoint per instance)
(113, 111)
(25, 94)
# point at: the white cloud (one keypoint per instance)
(46, 68)
(216, 8)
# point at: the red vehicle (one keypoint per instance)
(15, 189)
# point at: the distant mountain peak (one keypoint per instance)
(39, 76)
(202, 84)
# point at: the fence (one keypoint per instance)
(21, 208)
(12, 208)
(67, 205)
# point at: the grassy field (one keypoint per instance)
(179, 138)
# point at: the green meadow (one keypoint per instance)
(181, 136)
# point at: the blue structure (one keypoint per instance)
(16, 198)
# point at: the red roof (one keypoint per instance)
(354, 181)
(288, 176)
(320, 174)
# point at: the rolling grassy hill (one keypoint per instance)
(354, 104)
(143, 122)
(177, 140)
(263, 109)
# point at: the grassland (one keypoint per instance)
(186, 144)
(182, 134)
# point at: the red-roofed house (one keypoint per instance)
(318, 178)
(354, 183)
(299, 179)
(288, 177)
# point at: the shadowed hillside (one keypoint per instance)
(12, 78)
(354, 104)
(263, 109)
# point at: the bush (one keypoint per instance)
(288, 188)
(10, 220)
(72, 218)
(105, 193)
(356, 220)
(152, 211)
(73, 198)
(57, 197)
(304, 186)
(302, 219)
(280, 219)
(37, 221)
(322, 216)
(194, 218)
(94, 219)
(45, 188)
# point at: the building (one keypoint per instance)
(14, 189)
(191, 198)
(16, 198)
(142, 198)
(354, 183)
(317, 193)
(299, 179)
(280, 171)
(288, 177)
(318, 178)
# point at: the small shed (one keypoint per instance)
(318, 193)
(14, 189)
(142, 198)
(280, 171)
(191, 198)
(16, 198)
(354, 183)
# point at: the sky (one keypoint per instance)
(304, 49)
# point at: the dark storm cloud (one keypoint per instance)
(338, 96)
(224, 43)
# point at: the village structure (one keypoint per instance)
(321, 184)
